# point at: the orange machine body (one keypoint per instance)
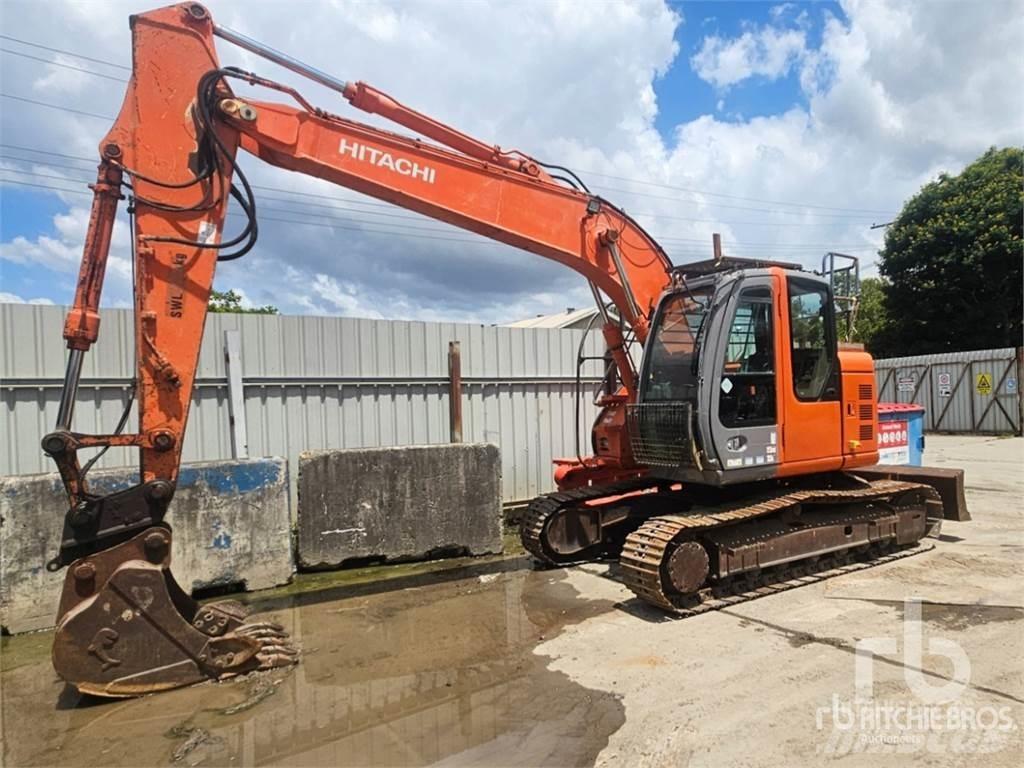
(157, 142)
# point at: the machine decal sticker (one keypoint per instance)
(893, 442)
(207, 232)
(726, 386)
(400, 165)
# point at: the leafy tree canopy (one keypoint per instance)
(872, 318)
(953, 261)
(231, 301)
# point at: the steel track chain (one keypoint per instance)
(708, 601)
(543, 508)
(647, 547)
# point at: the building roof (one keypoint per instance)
(569, 318)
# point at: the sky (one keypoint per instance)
(789, 128)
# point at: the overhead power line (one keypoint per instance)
(390, 233)
(862, 217)
(357, 225)
(66, 53)
(55, 106)
(92, 160)
(611, 189)
(665, 239)
(62, 65)
(376, 204)
(722, 194)
(631, 180)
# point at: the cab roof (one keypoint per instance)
(729, 264)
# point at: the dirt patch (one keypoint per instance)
(957, 616)
(261, 685)
(194, 739)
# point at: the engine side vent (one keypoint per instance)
(866, 392)
(864, 411)
(867, 432)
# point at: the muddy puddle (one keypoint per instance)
(424, 669)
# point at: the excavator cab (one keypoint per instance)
(742, 367)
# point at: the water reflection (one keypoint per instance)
(439, 672)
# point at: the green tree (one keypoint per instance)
(954, 263)
(231, 301)
(872, 317)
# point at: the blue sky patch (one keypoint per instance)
(683, 96)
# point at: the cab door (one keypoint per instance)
(744, 396)
(812, 415)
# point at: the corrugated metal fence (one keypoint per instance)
(315, 383)
(968, 392)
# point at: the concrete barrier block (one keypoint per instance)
(231, 523)
(401, 503)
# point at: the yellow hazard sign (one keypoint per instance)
(984, 384)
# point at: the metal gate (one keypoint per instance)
(965, 392)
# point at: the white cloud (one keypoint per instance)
(64, 77)
(63, 254)
(10, 298)
(768, 52)
(895, 93)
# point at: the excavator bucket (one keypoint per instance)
(125, 627)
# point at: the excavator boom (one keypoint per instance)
(174, 148)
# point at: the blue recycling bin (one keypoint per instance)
(901, 434)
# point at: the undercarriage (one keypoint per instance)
(680, 548)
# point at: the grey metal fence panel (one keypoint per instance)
(315, 383)
(963, 392)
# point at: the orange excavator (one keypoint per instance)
(734, 458)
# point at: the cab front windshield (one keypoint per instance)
(670, 371)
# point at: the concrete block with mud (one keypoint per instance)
(404, 503)
(231, 522)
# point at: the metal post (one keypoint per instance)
(1020, 393)
(236, 395)
(716, 244)
(454, 392)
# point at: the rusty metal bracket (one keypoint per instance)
(96, 523)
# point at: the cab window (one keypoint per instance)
(671, 361)
(747, 386)
(812, 345)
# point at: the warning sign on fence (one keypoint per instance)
(984, 384)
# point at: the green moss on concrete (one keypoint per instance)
(20, 650)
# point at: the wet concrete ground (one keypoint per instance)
(491, 663)
(423, 668)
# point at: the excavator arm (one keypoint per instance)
(174, 149)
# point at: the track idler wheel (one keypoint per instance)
(687, 567)
(125, 627)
